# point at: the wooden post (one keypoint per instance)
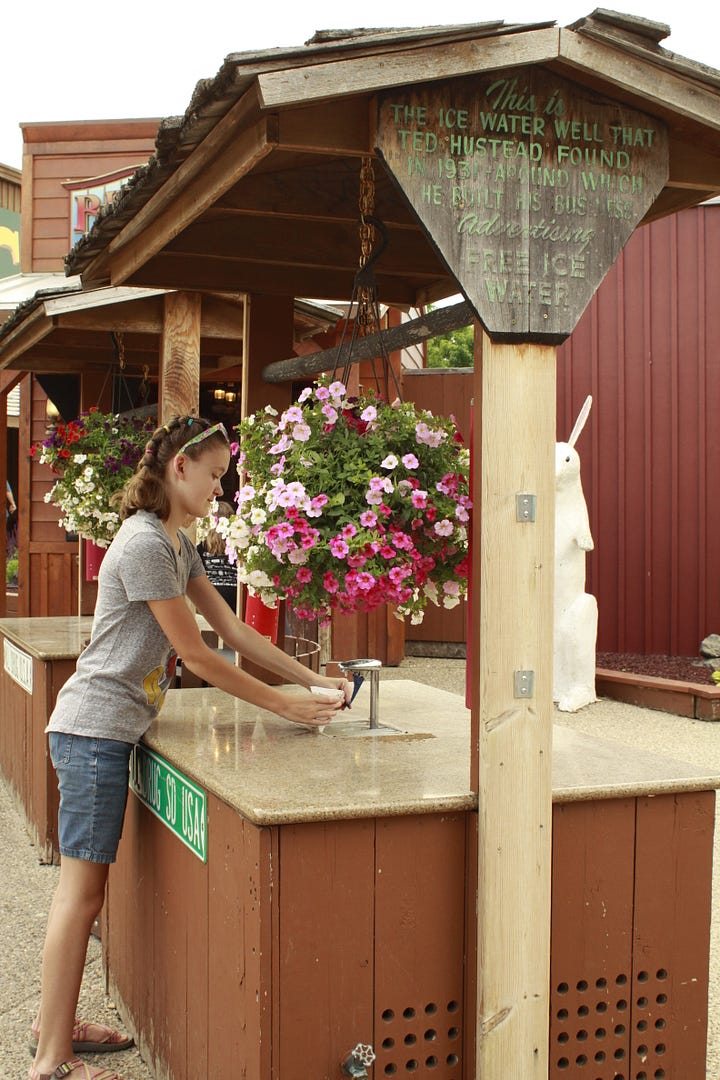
(512, 710)
(180, 355)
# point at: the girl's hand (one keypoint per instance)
(335, 684)
(312, 709)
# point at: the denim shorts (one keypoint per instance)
(93, 783)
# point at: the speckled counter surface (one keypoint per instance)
(54, 638)
(274, 772)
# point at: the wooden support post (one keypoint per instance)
(512, 709)
(268, 336)
(180, 355)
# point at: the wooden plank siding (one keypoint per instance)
(54, 155)
(648, 350)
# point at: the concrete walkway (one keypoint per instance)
(26, 887)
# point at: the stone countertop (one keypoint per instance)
(59, 637)
(274, 772)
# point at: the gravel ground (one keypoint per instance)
(27, 887)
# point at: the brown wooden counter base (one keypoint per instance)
(293, 943)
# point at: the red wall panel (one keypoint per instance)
(647, 349)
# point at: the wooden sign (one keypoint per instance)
(528, 185)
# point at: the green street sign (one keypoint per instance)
(173, 799)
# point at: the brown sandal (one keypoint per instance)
(91, 1038)
(67, 1067)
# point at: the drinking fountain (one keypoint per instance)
(359, 670)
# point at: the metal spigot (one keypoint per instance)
(356, 1062)
(361, 669)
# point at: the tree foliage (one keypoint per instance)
(451, 350)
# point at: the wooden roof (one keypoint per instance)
(70, 330)
(256, 187)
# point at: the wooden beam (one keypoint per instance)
(298, 86)
(23, 337)
(188, 194)
(180, 356)
(650, 83)
(441, 321)
(282, 242)
(231, 274)
(511, 633)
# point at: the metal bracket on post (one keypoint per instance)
(525, 507)
(524, 682)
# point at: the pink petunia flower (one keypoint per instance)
(338, 547)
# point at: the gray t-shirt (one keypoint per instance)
(120, 681)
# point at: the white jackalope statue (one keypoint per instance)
(576, 612)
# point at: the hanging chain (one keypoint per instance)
(119, 344)
(365, 315)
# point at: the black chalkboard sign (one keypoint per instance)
(528, 185)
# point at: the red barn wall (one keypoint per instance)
(648, 350)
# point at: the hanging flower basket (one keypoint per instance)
(350, 503)
(93, 457)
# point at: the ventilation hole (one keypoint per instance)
(562, 988)
(600, 1056)
(641, 1025)
(453, 1032)
(659, 1074)
(388, 1015)
(582, 985)
(621, 980)
(410, 1040)
(660, 1048)
(643, 976)
(642, 1002)
(430, 1008)
(431, 1062)
(430, 1035)
(562, 1014)
(411, 1065)
(563, 1037)
(583, 1010)
(409, 1014)
(452, 1059)
(390, 1070)
(388, 1044)
(660, 1024)
(622, 1004)
(601, 1007)
(641, 1076)
(581, 1060)
(661, 999)
(619, 1029)
(600, 1033)
(619, 1054)
(563, 1063)
(600, 983)
(582, 1034)
(452, 1006)
(642, 1050)
(662, 974)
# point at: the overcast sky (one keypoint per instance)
(142, 58)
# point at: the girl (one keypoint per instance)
(142, 622)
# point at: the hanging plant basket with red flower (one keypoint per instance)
(347, 503)
(93, 457)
